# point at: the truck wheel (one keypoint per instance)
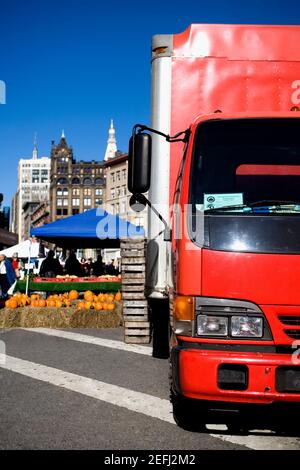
(237, 428)
(184, 413)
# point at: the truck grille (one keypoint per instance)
(292, 321)
(294, 334)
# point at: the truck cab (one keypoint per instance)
(221, 165)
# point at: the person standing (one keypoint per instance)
(16, 264)
(72, 266)
(50, 267)
(98, 267)
(7, 275)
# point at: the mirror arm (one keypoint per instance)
(168, 231)
(175, 138)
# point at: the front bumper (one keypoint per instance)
(195, 375)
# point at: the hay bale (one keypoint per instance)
(9, 318)
(94, 319)
(66, 317)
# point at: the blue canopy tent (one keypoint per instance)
(95, 228)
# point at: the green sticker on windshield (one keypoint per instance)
(213, 201)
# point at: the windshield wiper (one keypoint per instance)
(243, 207)
(260, 206)
(271, 202)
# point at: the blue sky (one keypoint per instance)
(74, 64)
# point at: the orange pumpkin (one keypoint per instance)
(111, 306)
(118, 296)
(81, 305)
(110, 298)
(35, 296)
(88, 305)
(73, 295)
(58, 304)
(98, 306)
(51, 303)
(35, 303)
(104, 305)
(89, 296)
(101, 297)
(42, 303)
(11, 303)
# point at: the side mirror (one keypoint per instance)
(139, 163)
(137, 202)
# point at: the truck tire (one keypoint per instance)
(185, 415)
(237, 429)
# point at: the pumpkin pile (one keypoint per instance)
(99, 302)
(68, 299)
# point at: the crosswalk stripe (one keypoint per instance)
(107, 343)
(113, 394)
(134, 401)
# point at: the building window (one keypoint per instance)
(62, 181)
(87, 192)
(98, 202)
(112, 193)
(59, 202)
(124, 173)
(61, 170)
(118, 191)
(75, 181)
(99, 181)
(98, 192)
(59, 212)
(66, 192)
(117, 208)
(118, 176)
(124, 190)
(75, 211)
(87, 181)
(76, 202)
(65, 211)
(112, 177)
(76, 192)
(87, 201)
(87, 170)
(59, 192)
(65, 202)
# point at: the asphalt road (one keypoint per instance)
(86, 390)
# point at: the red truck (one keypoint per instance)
(220, 166)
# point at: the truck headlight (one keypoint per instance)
(183, 315)
(208, 325)
(247, 327)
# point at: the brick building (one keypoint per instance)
(75, 186)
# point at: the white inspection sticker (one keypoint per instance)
(213, 201)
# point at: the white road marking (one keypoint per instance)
(259, 442)
(113, 394)
(107, 343)
(134, 401)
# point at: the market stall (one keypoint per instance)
(71, 301)
(95, 228)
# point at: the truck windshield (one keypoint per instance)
(246, 166)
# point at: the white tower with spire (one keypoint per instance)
(35, 150)
(111, 148)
